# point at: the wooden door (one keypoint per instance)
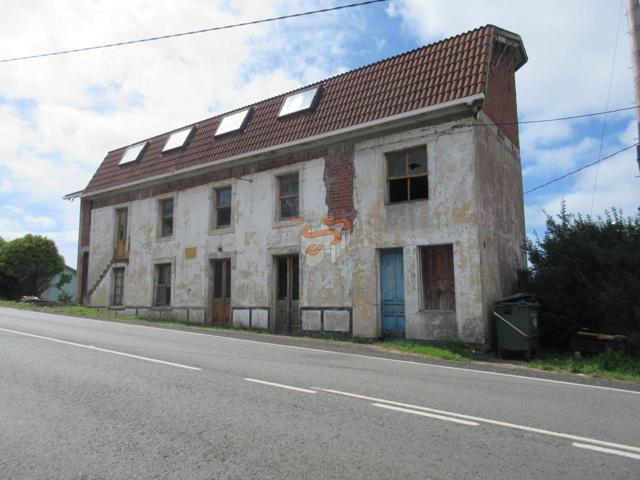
(392, 292)
(287, 294)
(121, 232)
(221, 305)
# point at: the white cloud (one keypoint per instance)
(570, 46)
(83, 105)
(38, 223)
(579, 195)
(560, 159)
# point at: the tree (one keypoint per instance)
(28, 265)
(586, 274)
(7, 283)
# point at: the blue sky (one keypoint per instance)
(60, 115)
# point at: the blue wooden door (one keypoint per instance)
(392, 292)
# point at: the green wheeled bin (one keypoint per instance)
(517, 324)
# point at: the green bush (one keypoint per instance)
(65, 297)
(586, 274)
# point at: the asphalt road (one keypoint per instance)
(89, 399)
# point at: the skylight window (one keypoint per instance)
(133, 153)
(233, 122)
(178, 139)
(299, 101)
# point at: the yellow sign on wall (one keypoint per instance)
(190, 252)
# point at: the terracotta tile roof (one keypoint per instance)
(447, 70)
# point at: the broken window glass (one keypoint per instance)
(407, 175)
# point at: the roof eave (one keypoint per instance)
(72, 196)
(514, 40)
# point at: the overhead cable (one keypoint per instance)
(581, 168)
(192, 32)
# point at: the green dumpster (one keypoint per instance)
(517, 324)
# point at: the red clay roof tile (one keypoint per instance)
(447, 70)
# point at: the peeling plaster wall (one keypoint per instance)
(475, 204)
(251, 242)
(101, 248)
(448, 216)
(501, 218)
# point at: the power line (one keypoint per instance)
(606, 106)
(556, 119)
(581, 168)
(193, 32)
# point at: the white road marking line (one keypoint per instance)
(357, 355)
(288, 387)
(485, 420)
(424, 414)
(607, 450)
(98, 349)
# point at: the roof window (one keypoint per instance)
(133, 153)
(300, 101)
(233, 122)
(178, 139)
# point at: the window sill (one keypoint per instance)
(221, 230)
(406, 202)
(436, 311)
(168, 238)
(288, 222)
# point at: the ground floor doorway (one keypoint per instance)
(287, 269)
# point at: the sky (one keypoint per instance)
(59, 116)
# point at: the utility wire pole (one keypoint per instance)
(633, 17)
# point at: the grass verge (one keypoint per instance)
(610, 365)
(450, 350)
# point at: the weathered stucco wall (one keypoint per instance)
(341, 270)
(448, 216)
(501, 217)
(251, 242)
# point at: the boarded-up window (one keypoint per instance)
(118, 286)
(438, 286)
(407, 175)
(162, 294)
